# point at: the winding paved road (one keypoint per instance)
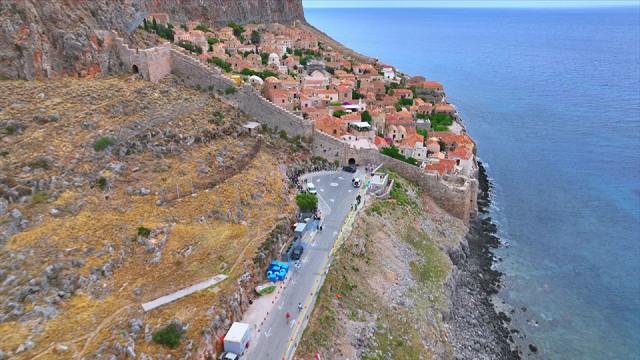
(278, 338)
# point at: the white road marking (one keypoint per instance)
(267, 333)
(322, 190)
(349, 190)
(293, 322)
(334, 184)
(332, 200)
(340, 177)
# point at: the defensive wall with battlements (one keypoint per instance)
(456, 194)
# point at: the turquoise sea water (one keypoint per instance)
(552, 98)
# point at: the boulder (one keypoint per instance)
(16, 214)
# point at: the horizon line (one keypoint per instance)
(507, 4)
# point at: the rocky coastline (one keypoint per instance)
(477, 329)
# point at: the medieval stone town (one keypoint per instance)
(368, 106)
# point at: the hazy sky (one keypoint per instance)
(468, 3)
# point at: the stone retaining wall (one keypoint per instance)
(457, 195)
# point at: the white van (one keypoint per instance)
(311, 188)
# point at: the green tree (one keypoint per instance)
(441, 122)
(365, 116)
(255, 37)
(307, 202)
(423, 132)
(202, 27)
(237, 30)
(394, 152)
(405, 102)
(265, 58)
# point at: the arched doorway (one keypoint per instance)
(135, 70)
(352, 162)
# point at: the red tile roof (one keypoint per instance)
(442, 167)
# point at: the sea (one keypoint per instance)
(552, 98)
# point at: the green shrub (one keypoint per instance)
(102, 183)
(307, 202)
(202, 27)
(10, 129)
(283, 134)
(230, 90)
(405, 102)
(39, 197)
(264, 74)
(168, 336)
(220, 63)
(39, 164)
(102, 143)
(423, 132)
(339, 113)
(4, 153)
(399, 194)
(143, 231)
(190, 46)
(441, 122)
(394, 152)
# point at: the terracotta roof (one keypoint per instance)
(380, 141)
(443, 166)
(443, 107)
(461, 152)
(402, 92)
(430, 85)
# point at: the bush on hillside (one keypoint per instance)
(168, 336)
(102, 143)
(306, 202)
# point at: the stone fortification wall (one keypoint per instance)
(455, 194)
(329, 147)
(194, 73)
(153, 63)
(265, 112)
(157, 62)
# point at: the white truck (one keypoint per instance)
(237, 339)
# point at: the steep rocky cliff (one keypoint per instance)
(49, 38)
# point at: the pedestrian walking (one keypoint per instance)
(287, 316)
(299, 306)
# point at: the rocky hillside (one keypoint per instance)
(49, 38)
(116, 191)
(403, 286)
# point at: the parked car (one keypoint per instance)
(356, 183)
(296, 253)
(349, 168)
(228, 356)
(311, 188)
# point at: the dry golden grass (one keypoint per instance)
(111, 217)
